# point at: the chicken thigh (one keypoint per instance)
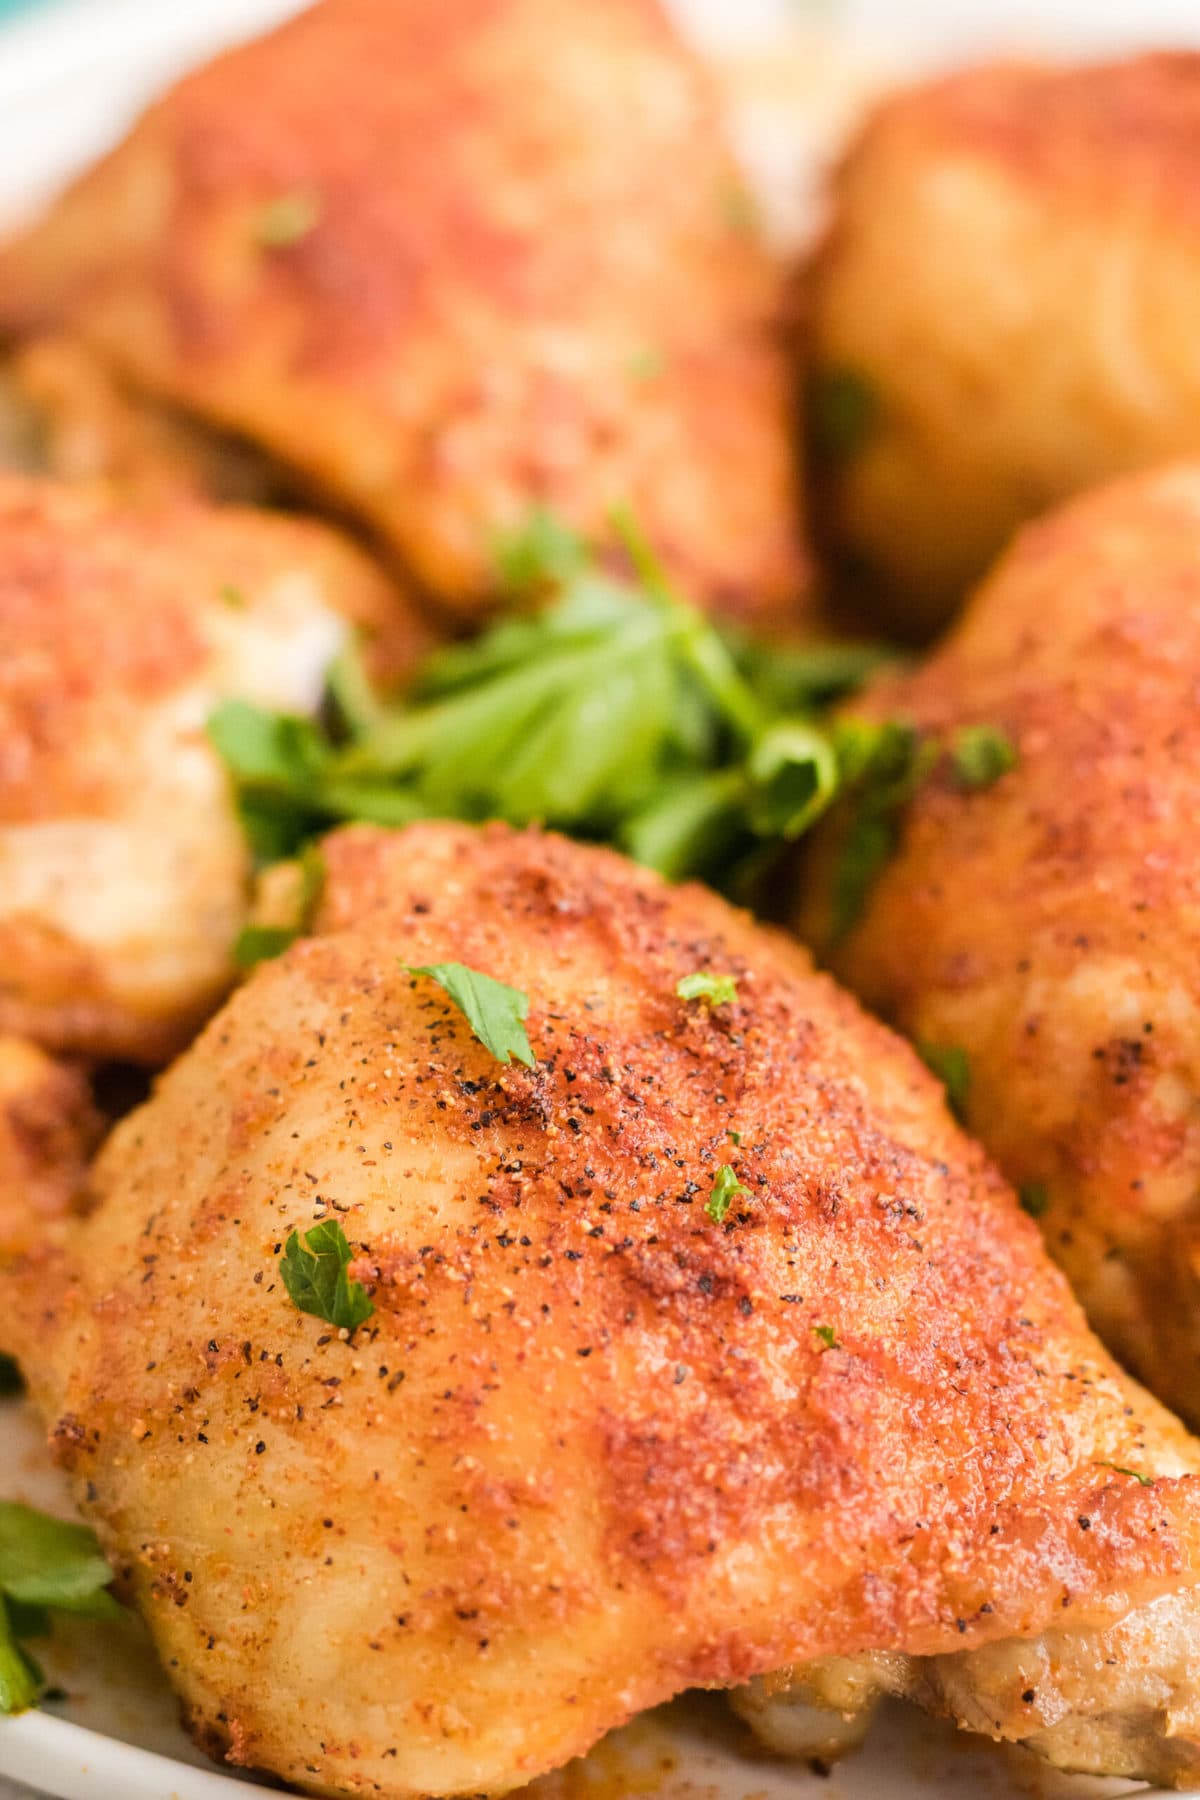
(693, 1343)
(65, 412)
(1003, 311)
(123, 867)
(448, 259)
(1046, 929)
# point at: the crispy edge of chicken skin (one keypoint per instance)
(1049, 925)
(124, 871)
(594, 1445)
(449, 259)
(65, 412)
(1007, 287)
(49, 1126)
(1109, 1699)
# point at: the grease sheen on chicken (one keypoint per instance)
(1008, 287)
(592, 1446)
(449, 258)
(1050, 925)
(123, 868)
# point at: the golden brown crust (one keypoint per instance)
(73, 418)
(514, 270)
(1010, 269)
(103, 610)
(592, 1447)
(1050, 925)
(123, 870)
(48, 1128)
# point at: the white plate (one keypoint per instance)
(71, 77)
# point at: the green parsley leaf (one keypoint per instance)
(1035, 1198)
(827, 1335)
(53, 1562)
(352, 691)
(646, 363)
(724, 1189)
(881, 766)
(718, 990)
(46, 1565)
(614, 711)
(981, 754)
(10, 1378)
(287, 219)
(315, 1275)
(260, 943)
(542, 552)
(495, 1012)
(20, 1677)
(793, 776)
(1146, 1480)
(844, 410)
(735, 1137)
(798, 677)
(952, 1066)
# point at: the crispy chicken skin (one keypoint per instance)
(450, 258)
(1049, 925)
(65, 412)
(1011, 271)
(592, 1446)
(123, 868)
(48, 1128)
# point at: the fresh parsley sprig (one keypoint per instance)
(46, 1565)
(613, 711)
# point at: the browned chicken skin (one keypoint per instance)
(124, 871)
(65, 412)
(1050, 925)
(48, 1129)
(450, 258)
(1004, 310)
(593, 1445)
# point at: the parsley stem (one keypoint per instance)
(711, 662)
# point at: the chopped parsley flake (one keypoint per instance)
(286, 219)
(980, 755)
(1136, 1474)
(827, 1336)
(495, 1012)
(315, 1275)
(646, 364)
(259, 943)
(725, 1187)
(843, 410)
(717, 990)
(1034, 1198)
